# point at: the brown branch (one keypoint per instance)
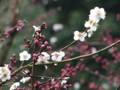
(71, 59)
(32, 77)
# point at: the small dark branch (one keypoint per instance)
(68, 45)
(62, 77)
(32, 77)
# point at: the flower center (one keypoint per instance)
(57, 55)
(5, 75)
(80, 34)
(90, 21)
(94, 24)
(24, 56)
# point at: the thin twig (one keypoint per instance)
(62, 77)
(32, 76)
(68, 45)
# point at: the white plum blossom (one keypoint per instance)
(24, 56)
(57, 27)
(90, 32)
(97, 13)
(64, 80)
(91, 24)
(37, 28)
(79, 35)
(43, 58)
(57, 56)
(14, 86)
(76, 86)
(5, 73)
(25, 79)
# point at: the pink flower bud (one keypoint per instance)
(36, 41)
(49, 47)
(43, 46)
(46, 43)
(35, 85)
(34, 55)
(26, 46)
(42, 36)
(10, 58)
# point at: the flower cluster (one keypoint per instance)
(92, 24)
(5, 73)
(41, 57)
(95, 15)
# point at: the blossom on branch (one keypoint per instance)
(91, 24)
(79, 35)
(24, 56)
(5, 73)
(90, 32)
(43, 58)
(14, 86)
(25, 79)
(57, 56)
(97, 13)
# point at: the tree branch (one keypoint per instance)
(71, 59)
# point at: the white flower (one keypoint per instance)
(25, 79)
(76, 86)
(24, 56)
(79, 36)
(97, 14)
(37, 28)
(90, 32)
(5, 73)
(14, 86)
(91, 24)
(43, 58)
(64, 80)
(57, 56)
(57, 27)
(53, 40)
